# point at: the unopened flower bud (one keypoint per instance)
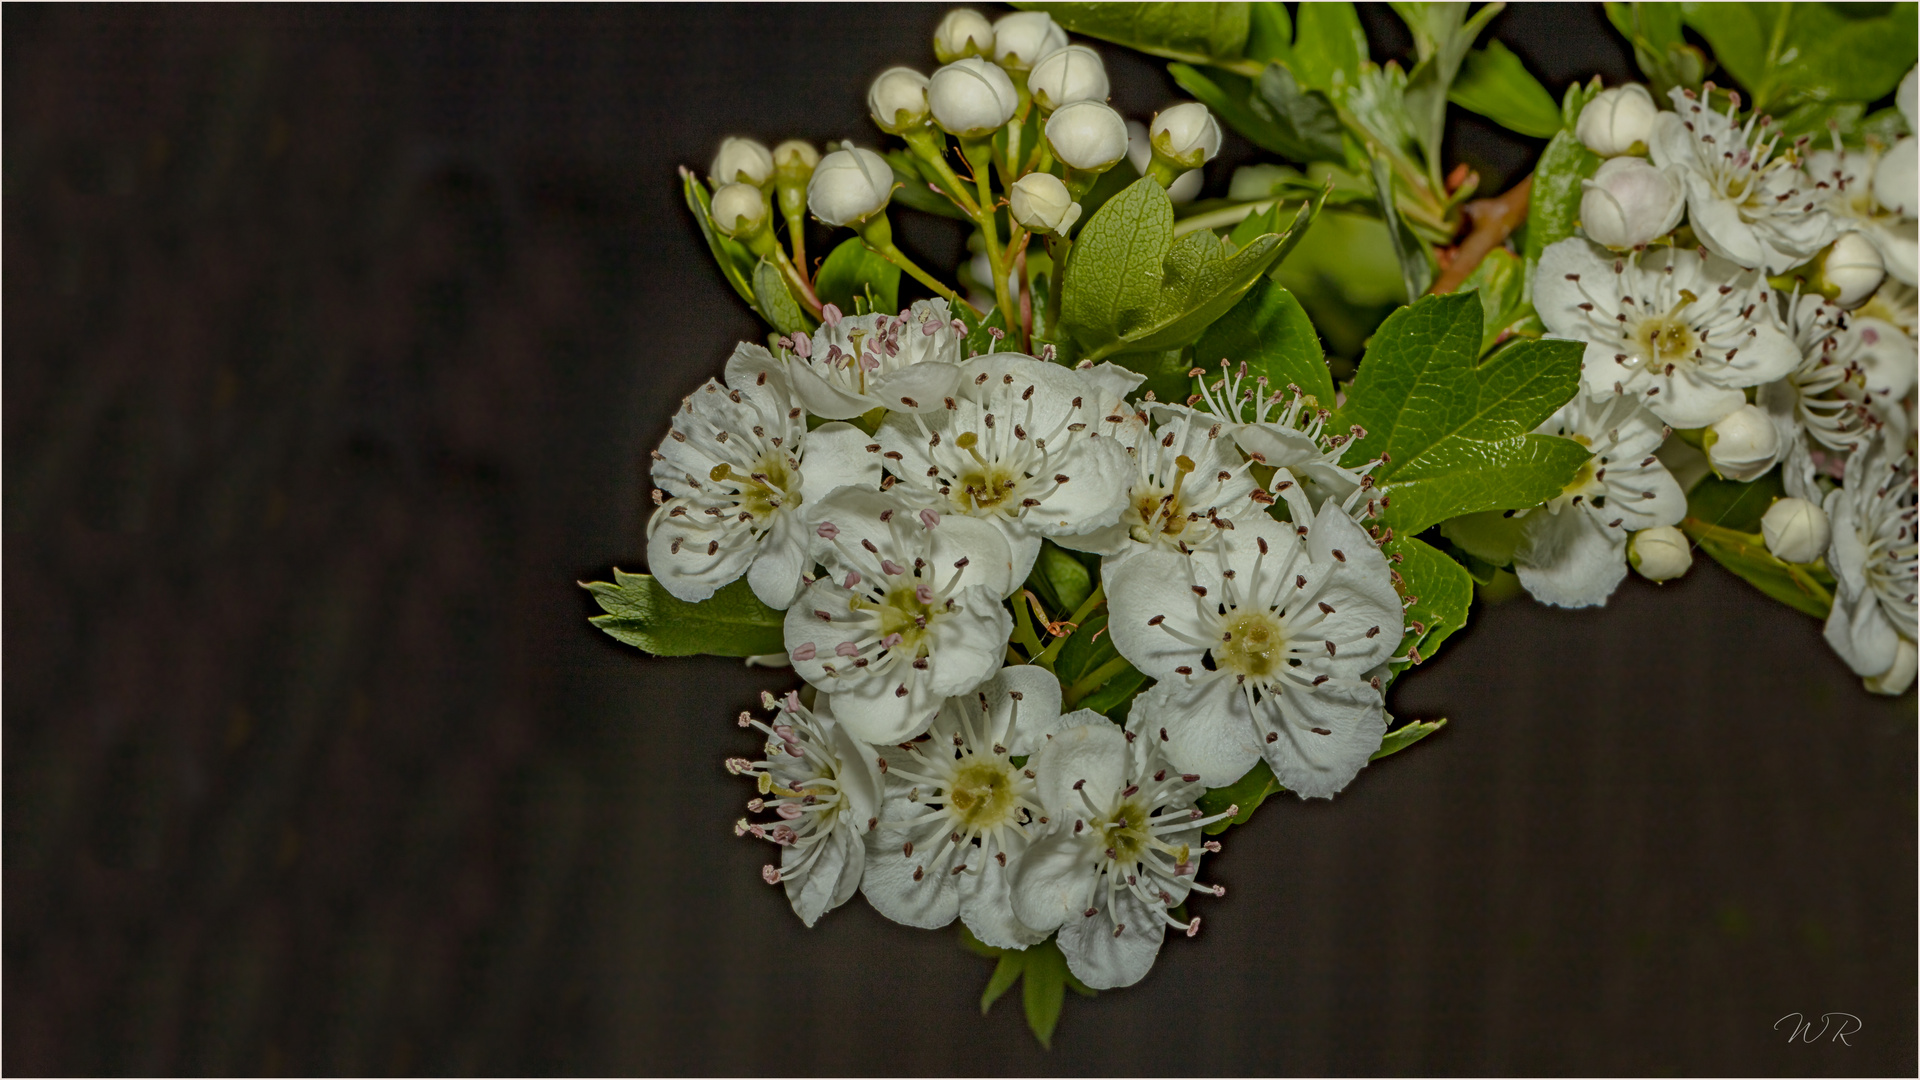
(1630, 202)
(1743, 444)
(1041, 203)
(971, 98)
(849, 186)
(1660, 553)
(1852, 270)
(795, 157)
(1894, 181)
(741, 161)
(739, 210)
(963, 33)
(1617, 121)
(1140, 155)
(1904, 98)
(1074, 73)
(898, 100)
(1022, 38)
(1186, 134)
(1796, 530)
(1088, 135)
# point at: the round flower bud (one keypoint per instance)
(1041, 203)
(796, 156)
(1140, 156)
(971, 97)
(741, 161)
(1894, 180)
(849, 186)
(1074, 73)
(1904, 98)
(1660, 553)
(1087, 135)
(739, 210)
(1796, 530)
(898, 100)
(1618, 121)
(1853, 269)
(963, 33)
(1186, 134)
(1022, 38)
(1629, 202)
(1743, 444)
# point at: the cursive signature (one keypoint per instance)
(1802, 1028)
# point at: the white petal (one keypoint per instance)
(1208, 729)
(1315, 765)
(873, 710)
(1155, 584)
(1053, 879)
(830, 881)
(986, 903)
(918, 387)
(1897, 678)
(836, 456)
(1762, 358)
(1688, 401)
(691, 574)
(1717, 222)
(858, 773)
(929, 903)
(1099, 477)
(1557, 298)
(822, 398)
(968, 643)
(1025, 724)
(1105, 960)
(775, 574)
(1570, 560)
(1094, 753)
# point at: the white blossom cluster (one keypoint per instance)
(1755, 298)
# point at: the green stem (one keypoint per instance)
(1023, 631)
(1092, 681)
(1214, 219)
(932, 149)
(979, 155)
(1057, 249)
(1079, 616)
(877, 233)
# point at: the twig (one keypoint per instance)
(1493, 221)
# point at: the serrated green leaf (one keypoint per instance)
(1269, 32)
(853, 270)
(1007, 972)
(1459, 435)
(1554, 203)
(1443, 592)
(1197, 33)
(1495, 84)
(1043, 990)
(1500, 281)
(731, 622)
(1270, 333)
(1247, 793)
(1328, 45)
(776, 304)
(1406, 735)
(733, 258)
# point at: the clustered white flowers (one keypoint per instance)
(1751, 296)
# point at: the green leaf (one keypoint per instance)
(1441, 39)
(1442, 591)
(1803, 588)
(1247, 793)
(731, 622)
(1416, 273)
(1269, 333)
(1254, 226)
(776, 304)
(1302, 128)
(1118, 690)
(1809, 52)
(1269, 32)
(1196, 33)
(1406, 735)
(1328, 45)
(1005, 974)
(1554, 204)
(1060, 579)
(979, 337)
(1575, 101)
(1044, 989)
(1459, 435)
(853, 270)
(733, 258)
(1500, 281)
(1731, 504)
(1815, 118)
(1489, 535)
(1495, 84)
(913, 191)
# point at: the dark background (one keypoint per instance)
(335, 343)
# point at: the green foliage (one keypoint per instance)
(1723, 519)
(1196, 33)
(1272, 111)
(1269, 32)
(1043, 968)
(1459, 434)
(731, 622)
(1442, 34)
(776, 304)
(1490, 535)
(1269, 333)
(1406, 735)
(1247, 793)
(1442, 591)
(1495, 84)
(733, 258)
(1659, 48)
(1554, 203)
(853, 270)
(1574, 102)
(1734, 505)
(979, 337)
(1416, 273)
(1328, 45)
(1092, 673)
(1061, 580)
(1500, 281)
(1785, 54)
(912, 190)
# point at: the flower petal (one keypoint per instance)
(1053, 879)
(928, 903)
(836, 456)
(1208, 730)
(1094, 753)
(1569, 560)
(1322, 737)
(1104, 959)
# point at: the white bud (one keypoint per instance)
(1743, 444)
(739, 210)
(1087, 135)
(1796, 530)
(1022, 38)
(1853, 268)
(1660, 553)
(972, 97)
(1186, 133)
(963, 33)
(1894, 180)
(1618, 121)
(1074, 73)
(741, 161)
(1904, 96)
(1630, 202)
(1042, 203)
(1140, 155)
(796, 155)
(898, 100)
(849, 186)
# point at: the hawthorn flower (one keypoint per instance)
(1283, 430)
(908, 615)
(1021, 446)
(1618, 120)
(1683, 333)
(1743, 444)
(825, 789)
(854, 364)
(1122, 846)
(958, 813)
(1265, 646)
(1744, 204)
(1872, 557)
(1852, 373)
(1630, 203)
(1575, 548)
(1843, 181)
(1796, 530)
(1041, 202)
(1661, 553)
(741, 473)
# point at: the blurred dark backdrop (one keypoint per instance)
(336, 339)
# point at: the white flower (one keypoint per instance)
(1681, 332)
(1074, 73)
(826, 789)
(1140, 155)
(1904, 98)
(1574, 551)
(1284, 429)
(1019, 446)
(1088, 135)
(1744, 204)
(1041, 203)
(1186, 134)
(1853, 269)
(971, 97)
(1743, 444)
(898, 99)
(741, 161)
(963, 33)
(797, 157)
(1617, 121)
(1022, 38)
(855, 364)
(958, 813)
(1123, 846)
(1795, 530)
(1826, 405)
(1872, 557)
(1660, 553)
(1267, 645)
(739, 210)
(849, 186)
(1629, 203)
(1894, 179)
(744, 474)
(1843, 181)
(908, 615)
